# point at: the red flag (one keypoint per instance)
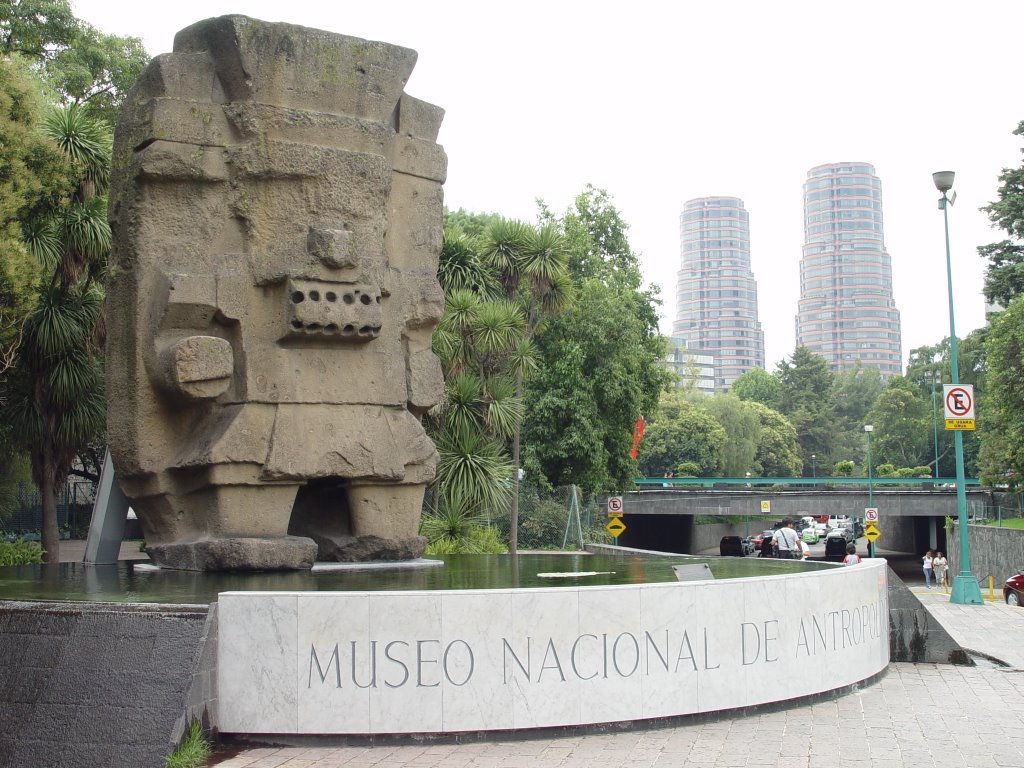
(638, 433)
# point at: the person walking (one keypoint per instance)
(928, 559)
(805, 551)
(785, 540)
(852, 558)
(940, 565)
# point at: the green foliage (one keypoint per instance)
(193, 752)
(808, 401)
(1002, 409)
(80, 64)
(1004, 276)
(15, 471)
(687, 469)
(599, 359)
(683, 432)
(778, 450)
(759, 386)
(20, 553)
(902, 421)
(843, 468)
(742, 430)
(885, 470)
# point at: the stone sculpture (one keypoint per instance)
(276, 208)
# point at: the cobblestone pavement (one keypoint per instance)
(916, 716)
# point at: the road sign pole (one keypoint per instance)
(965, 586)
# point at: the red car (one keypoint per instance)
(1013, 589)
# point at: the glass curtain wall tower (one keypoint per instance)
(716, 294)
(847, 312)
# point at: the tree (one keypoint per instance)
(807, 399)
(758, 386)
(80, 64)
(902, 421)
(1004, 276)
(56, 402)
(1002, 412)
(34, 174)
(856, 390)
(742, 429)
(778, 450)
(600, 359)
(682, 432)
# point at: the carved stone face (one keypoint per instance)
(342, 312)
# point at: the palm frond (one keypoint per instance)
(85, 141)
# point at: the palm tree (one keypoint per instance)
(57, 403)
(533, 270)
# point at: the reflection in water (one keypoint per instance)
(124, 582)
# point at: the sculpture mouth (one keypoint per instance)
(337, 311)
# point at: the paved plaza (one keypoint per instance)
(916, 716)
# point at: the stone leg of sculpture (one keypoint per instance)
(236, 527)
(385, 522)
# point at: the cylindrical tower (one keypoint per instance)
(716, 293)
(847, 313)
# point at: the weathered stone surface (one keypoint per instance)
(350, 549)
(276, 208)
(290, 552)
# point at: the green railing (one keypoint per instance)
(823, 483)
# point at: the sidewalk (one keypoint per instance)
(917, 716)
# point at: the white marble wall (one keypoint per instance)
(401, 662)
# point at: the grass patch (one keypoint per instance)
(1013, 522)
(193, 752)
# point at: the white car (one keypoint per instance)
(839, 533)
(822, 530)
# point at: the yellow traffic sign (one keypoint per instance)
(615, 527)
(871, 525)
(959, 423)
(766, 506)
(871, 534)
(615, 514)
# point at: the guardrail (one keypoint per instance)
(823, 483)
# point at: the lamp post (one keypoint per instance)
(814, 468)
(935, 421)
(965, 587)
(868, 429)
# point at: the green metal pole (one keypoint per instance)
(871, 498)
(965, 587)
(935, 425)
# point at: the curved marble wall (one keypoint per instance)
(435, 662)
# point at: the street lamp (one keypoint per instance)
(814, 467)
(868, 429)
(936, 376)
(965, 587)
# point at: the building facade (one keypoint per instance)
(690, 369)
(846, 312)
(716, 293)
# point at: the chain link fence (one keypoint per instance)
(551, 520)
(74, 511)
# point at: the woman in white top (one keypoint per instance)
(940, 565)
(928, 559)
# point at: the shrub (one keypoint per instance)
(193, 752)
(20, 553)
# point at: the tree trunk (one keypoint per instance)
(51, 535)
(513, 535)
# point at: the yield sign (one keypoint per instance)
(615, 527)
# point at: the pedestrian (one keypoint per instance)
(940, 565)
(928, 559)
(786, 541)
(852, 558)
(805, 551)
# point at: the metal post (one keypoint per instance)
(935, 425)
(965, 587)
(871, 498)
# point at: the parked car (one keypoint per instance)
(749, 547)
(835, 548)
(731, 546)
(1013, 589)
(810, 536)
(765, 545)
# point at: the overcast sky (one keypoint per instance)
(659, 102)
